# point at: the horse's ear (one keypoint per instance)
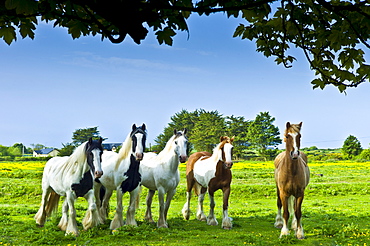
(185, 131)
(174, 131)
(222, 138)
(134, 127)
(300, 124)
(143, 126)
(90, 140)
(287, 125)
(100, 140)
(232, 139)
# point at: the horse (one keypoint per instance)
(210, 171)
(71, 177)
(121, 173)
(160, 172)
(292, 175)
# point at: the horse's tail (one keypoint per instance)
(52, 202)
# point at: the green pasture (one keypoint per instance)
(335, 210)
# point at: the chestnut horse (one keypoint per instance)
(292, 176)
(210, 171)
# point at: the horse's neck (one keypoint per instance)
(172, 162)
(292, 164)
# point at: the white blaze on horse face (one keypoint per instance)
(228, 154)
(97, 163)
(295, 153)
(181, 145)
(139, 150)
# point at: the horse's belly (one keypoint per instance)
(203, 174)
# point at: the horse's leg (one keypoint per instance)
(161, 219)
(200, 214)
(211, 219)
(40, 216)
(186, 208)
(226, 220)
(279, 218)
(169, 197)
(298, 215)
(148, 212)
(92, 217)
(117, 221)
(104, 209)
(285, 204)
(292, 209)
(64, 220)
(130, 216)
(189, 186)
(72, 224)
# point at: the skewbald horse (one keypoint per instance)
(292, 175)
(210, 171)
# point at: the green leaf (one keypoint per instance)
(165, 36)
(26, 7)
(8, 34)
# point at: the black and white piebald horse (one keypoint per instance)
(121, 173)
(72, 177)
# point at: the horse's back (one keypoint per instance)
(193, 158)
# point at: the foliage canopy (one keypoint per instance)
(351, 147)
(332, 34)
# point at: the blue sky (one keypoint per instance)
(53, 85)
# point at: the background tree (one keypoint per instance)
(263, 134)
(37, 146)
(332, 34)
(16, 150)
(82, 135)
(237, 126)
(79, 136)
(207, 130)
(67, 149)
(351, 147)
(179, 121)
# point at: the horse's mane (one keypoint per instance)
(216, 153)
(125, 151)
(77, 162)
(167, 149)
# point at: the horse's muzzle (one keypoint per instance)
(294, 155)
(139, 156)
(228, 165)
(98, 174)
(183, 158)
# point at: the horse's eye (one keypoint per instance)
(176, 142)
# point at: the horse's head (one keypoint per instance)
(226, 148)
(181, 142)
(138, 136)
(292, 139)
(94, 151)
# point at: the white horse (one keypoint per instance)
(71, 177)
(121, 173)
(160, 172)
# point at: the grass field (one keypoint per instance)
(335, 210)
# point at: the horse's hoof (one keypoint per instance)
(226, 228)
(39, 225)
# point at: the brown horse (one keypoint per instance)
(210, 171)
(292, 176)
